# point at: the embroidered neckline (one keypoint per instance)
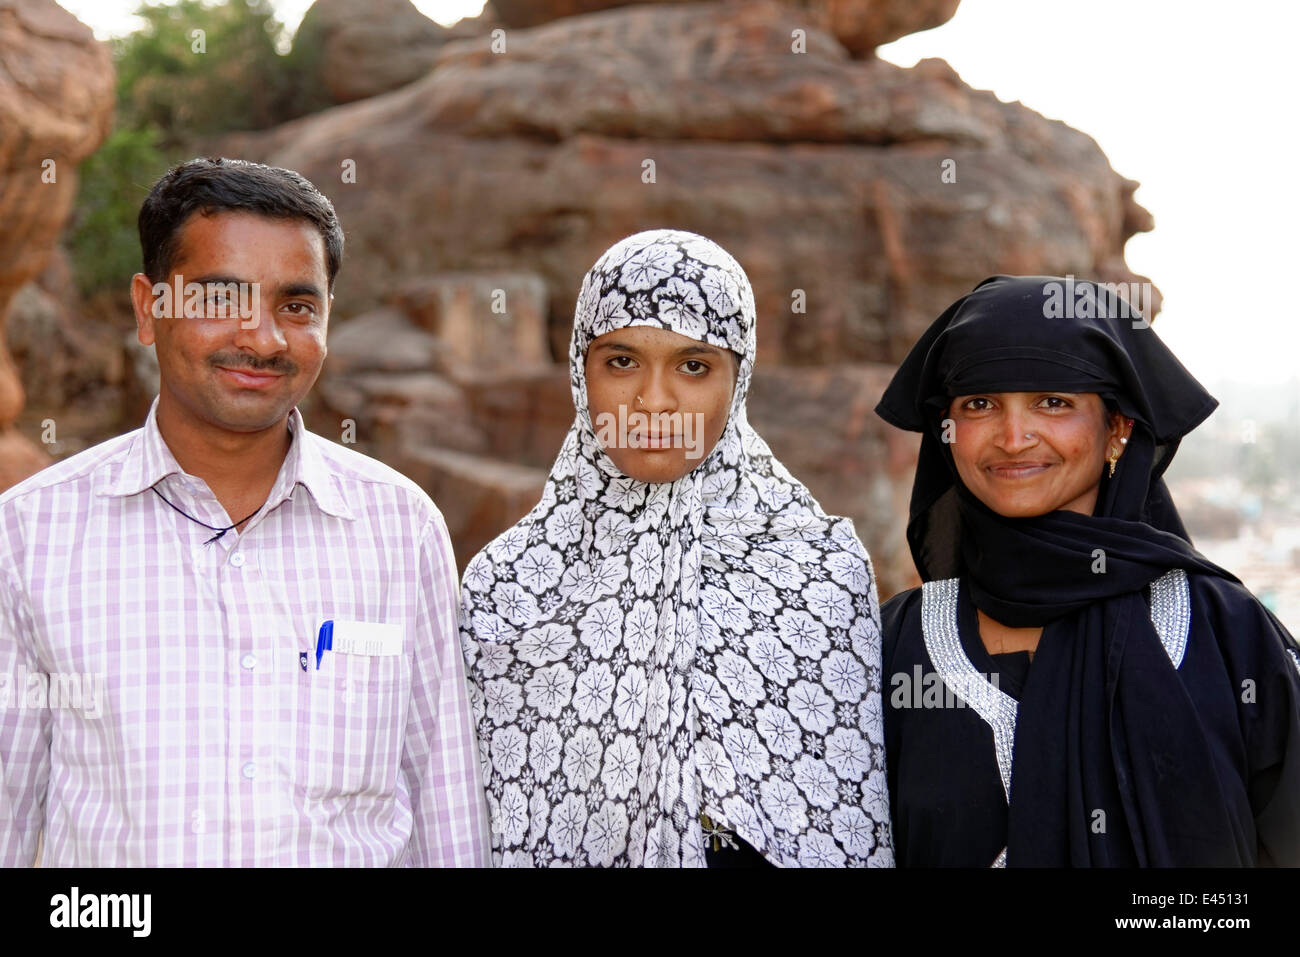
(1171, 616)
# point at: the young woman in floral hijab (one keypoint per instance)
(675, 656)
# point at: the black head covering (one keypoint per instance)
(1113, 725)
(1033, 333)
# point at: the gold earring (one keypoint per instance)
(639, 403)
(1114, 458)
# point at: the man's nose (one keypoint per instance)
(259, 332)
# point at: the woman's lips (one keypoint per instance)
(248, 379)
(1017, 470)
(649, 442)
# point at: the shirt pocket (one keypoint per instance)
(352, 726)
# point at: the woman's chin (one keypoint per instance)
(1022, 505)
(1024, 512)
(654, 467)
(1032, 506)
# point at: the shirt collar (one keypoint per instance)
(148, 461)
(306, 466)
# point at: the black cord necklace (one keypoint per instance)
(219, 531)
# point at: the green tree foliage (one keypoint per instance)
(194, 70)
(197, 69)
(114, 182)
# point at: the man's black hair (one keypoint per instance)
(217, 184)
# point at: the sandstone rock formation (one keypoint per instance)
(860, 25)
(73, 369)
(863, 25)
(482, 442)
(56, 107)
(882, 193)
(862, 198)
(364, 49)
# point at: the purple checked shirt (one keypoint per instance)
(154, 705)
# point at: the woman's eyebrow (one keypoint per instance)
(692, 350)
(616, 347)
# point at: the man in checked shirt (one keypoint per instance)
(189, 571)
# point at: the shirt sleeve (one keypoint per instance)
(24, 732)
(440, 757)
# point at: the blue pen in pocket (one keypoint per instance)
(324, 641)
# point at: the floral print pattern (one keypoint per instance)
(644, 654)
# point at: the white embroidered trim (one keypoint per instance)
(1171, 616)
(1171, 613)
(943, 645)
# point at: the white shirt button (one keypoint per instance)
(237, 559)
(249, 770)
(249, 662)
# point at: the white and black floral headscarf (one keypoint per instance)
(641, 654)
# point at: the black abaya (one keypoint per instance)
(1154, 732)
(946, 796)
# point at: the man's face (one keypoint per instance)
(239, 373)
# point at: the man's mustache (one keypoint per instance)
(277, 364)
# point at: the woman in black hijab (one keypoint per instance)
(1074, 685)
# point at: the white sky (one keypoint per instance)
(1193, 99)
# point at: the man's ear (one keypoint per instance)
(142, 303)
